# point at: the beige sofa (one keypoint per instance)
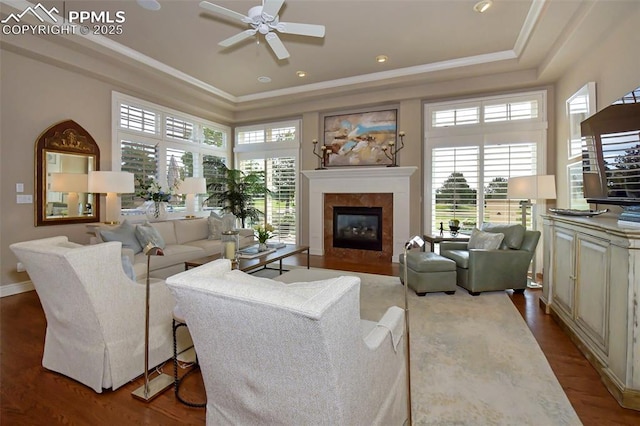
(185, 239)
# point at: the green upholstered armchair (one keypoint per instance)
(479, 270)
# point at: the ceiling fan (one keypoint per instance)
(265, 20)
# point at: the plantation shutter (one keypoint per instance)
(281, 208)
(455, 185)
(141, 159)
(576, 188)
(502, 162)
(272, 148)
(138, 119)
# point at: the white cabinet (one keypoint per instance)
(564, 269)
(591, 285)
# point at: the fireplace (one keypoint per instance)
(364, 224)
(388, 187)
(357, 227)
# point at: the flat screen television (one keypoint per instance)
(611, 153)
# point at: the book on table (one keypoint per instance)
(276, 245)
(251, 252)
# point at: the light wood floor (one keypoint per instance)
(30, 395)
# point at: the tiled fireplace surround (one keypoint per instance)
(387, 187)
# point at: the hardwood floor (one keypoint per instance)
(34, 396)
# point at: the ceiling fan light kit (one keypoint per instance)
(265, 20)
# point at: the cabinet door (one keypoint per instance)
(564, 273)
(592, 285)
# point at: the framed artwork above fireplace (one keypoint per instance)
(359, 138)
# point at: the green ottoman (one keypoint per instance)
(429, 273)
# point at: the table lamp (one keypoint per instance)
(190, 187)
(72, 184)
(112, 184)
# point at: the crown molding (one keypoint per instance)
(103, 44)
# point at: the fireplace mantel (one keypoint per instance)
(395, 180)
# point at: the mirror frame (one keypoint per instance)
(66, 137)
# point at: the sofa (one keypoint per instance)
(181, 240)
(483, 267)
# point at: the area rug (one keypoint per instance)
(473, 359)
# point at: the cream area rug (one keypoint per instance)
(473, 359)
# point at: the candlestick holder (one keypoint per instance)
(321, 157)
(393, 149)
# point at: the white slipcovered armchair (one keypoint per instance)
(95, 313)
(291, 354)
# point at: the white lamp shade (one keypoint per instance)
(541, 187)
(193, 185)
(111, 182)
(69, 182)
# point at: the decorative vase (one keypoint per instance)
(156, 210)
(262, 246)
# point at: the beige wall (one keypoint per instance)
(36, 95)
(614, 65)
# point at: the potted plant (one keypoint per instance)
(235, 190)
(156, 198)
(263, 233)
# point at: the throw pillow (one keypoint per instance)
(125, 233)
(146, 234)
(513, 233)
(484, 240)
(128, 267)
(215, 227)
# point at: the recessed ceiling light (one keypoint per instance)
(149, 4)
(301, 74)
(264, 79)
(482, 6)
(381, 58)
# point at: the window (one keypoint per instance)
(471, 152)
(463, 190)
(273, 149)
(576, 190)
(455, 183)
(154, 142)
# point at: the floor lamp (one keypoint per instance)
(527, 188)
(415, 242)
(152, 388)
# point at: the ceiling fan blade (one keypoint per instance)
(237, 38)
(222, 11)
(277, 46)
(301, 29)
(272, 7)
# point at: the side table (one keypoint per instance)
(178, 321)
(436, 238)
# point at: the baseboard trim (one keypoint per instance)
(627, 398)
(17, 288)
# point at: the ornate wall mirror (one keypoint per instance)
(65, 154)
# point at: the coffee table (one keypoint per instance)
(247, 265)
